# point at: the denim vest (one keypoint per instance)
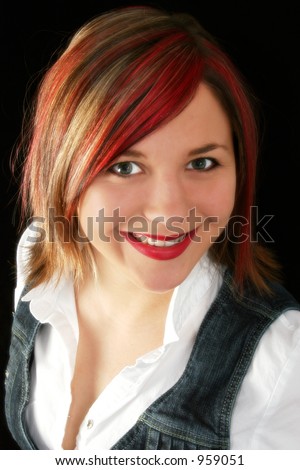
(196, 412)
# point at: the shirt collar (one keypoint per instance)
(54, 302)
(188, 296)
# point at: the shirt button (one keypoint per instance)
(90, 424)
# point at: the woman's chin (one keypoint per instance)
(161, 283)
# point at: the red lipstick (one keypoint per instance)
(161, 253)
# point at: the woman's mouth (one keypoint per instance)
(159, 247)
(162, 241)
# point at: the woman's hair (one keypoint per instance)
(124, 74)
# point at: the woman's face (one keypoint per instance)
(159, 207)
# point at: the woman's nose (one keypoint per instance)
(168, 201)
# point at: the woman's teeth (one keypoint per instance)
(154, 242)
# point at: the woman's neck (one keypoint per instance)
(125, 303)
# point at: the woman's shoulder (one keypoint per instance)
(278, 299)
(28, 239)
(22, 256)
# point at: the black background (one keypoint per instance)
(264, 43)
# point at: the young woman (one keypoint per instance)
(147, 314)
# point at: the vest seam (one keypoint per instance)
(238, 376)
(186, 437)
(249, 304)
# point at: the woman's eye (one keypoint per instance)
(125, 169)
(202, 164)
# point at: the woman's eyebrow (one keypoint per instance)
(208, 148)
(131, 153)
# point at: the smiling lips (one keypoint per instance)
(159, 247)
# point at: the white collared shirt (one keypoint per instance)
(267, 410)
